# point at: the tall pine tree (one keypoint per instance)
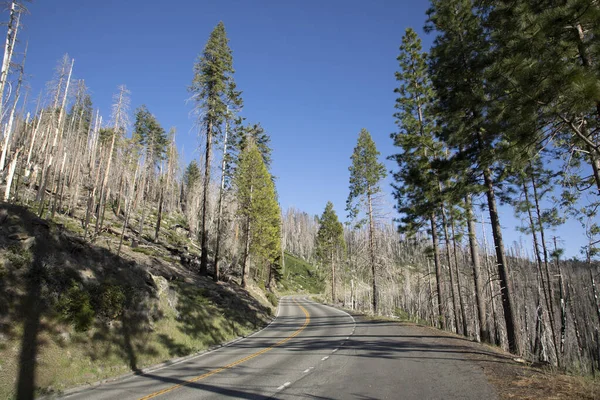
(366, 173)
(259, 211)
(213, 89)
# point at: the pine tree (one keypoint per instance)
(366, 172)
(416, 182)
(213, 89)
(459, 65)
(151, 135)
(258, 210)
(329, 242)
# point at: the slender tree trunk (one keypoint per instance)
(546, 285)
(9, 128)
(116, 129)
(11, 174)
(431, 301)
(246, 254)
(438, 271)
(563, 308)
(497, 336)
(220, 206)
(52, 151)
(463, 312)
(372, 251)
(450, 273)
(33, 136)
(11, 34)
(332, 278)
(205, 202)
(160, 210)
(484, 333)
(246, 247)
(128, 208)
(512, 330)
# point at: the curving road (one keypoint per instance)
(317, 352)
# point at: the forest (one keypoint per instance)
(503, 109)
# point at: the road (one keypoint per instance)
(317, 352)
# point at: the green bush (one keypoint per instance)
(75, 307)
(272, 298)
(18, 257)
(110, 302)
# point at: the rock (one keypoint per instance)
(134, 244)
(27, 243)
(18, 236)
(65, 337)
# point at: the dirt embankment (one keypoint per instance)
(73, 313)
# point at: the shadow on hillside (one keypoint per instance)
(40, 261)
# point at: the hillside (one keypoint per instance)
(300, 276)
(73, 312)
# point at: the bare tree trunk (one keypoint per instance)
(160, 210)
(246, 247)
(563, 308)
(204, 242)
(438, 271)
(11, 35)
(246, 254)
(128, 208)
(447, 240)
(50, 166)
(484, 333)
(458, 281)
(220, 207)
(372, 251)
(116, 129)
(431, 302)
(497, 338)
(9, 128)
(33, 136)
(11, 174)
(548, 287)
(332, 278)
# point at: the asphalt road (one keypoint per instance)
(316, 352)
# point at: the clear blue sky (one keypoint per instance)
(313, 73)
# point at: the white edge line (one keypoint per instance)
(132, 375)
(324, 358)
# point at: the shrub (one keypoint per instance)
(18, 257)
(75, 307)
(111, 301)
(272, 298)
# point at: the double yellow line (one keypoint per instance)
(238, 362)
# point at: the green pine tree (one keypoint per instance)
(460, 60)
(259, 212)
(416, 183)
(150, 135)
(366, 173)
(329, 242)
(214, 90)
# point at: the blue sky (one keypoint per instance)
(313, 73)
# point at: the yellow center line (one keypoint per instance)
(238, 362)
